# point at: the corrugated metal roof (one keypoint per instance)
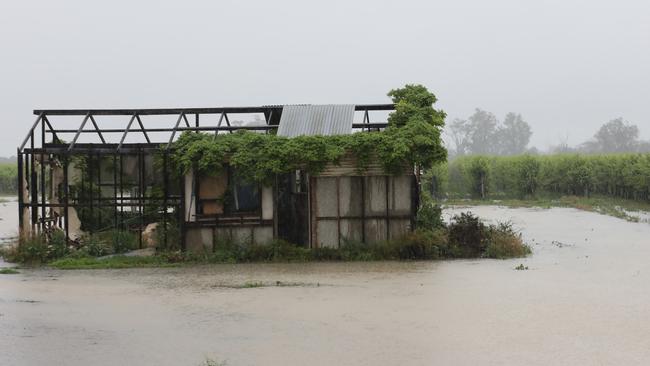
(329, 119)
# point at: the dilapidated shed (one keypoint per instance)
(128, 184)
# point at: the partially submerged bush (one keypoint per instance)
(505, 242)
(471, 238)
(468, 234)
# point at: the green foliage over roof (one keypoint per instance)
(413, 137)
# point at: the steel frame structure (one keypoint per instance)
(32, 179)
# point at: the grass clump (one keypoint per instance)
(115, 262)
(8, 271)
(51, 246)
(36, 249)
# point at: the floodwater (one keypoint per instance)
(585, 300)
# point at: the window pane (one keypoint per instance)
(247, 196)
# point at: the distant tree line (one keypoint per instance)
(483, 134)
(615, 136)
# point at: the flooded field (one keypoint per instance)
(584, 300)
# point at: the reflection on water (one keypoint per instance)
(581, 302)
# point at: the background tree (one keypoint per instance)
(513, 136)
(482, 132)
(460, 132)
(617, 135)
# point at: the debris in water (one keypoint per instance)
(559, 244)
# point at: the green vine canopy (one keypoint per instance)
(412, 137)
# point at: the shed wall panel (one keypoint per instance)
(328, 234)
(326, 197)
(351, 230)
(263, 234)
(375, 230)
(199, 240)
(375, 196)
(399, 228)
(350, 199)
(400, 195)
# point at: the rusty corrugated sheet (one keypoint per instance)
(308, 120)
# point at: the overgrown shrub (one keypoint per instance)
(436, 180)
(417, 245)
(58, 245)
(429, 215)
(352, 250)
(505, 242)
(171, 232)
(468, 234)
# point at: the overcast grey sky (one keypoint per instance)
(567, 66)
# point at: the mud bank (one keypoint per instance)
(583, 300)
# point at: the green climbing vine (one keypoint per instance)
(412, 137)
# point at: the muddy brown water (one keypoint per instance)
(585, 300)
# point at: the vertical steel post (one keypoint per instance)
(181, 212)
(363, 209)
(19, 157)
(115, 191)
(33, 190)
(165, 193)
(42, 181)
(388, 192)
(90, 186)
(142, 194)
(121, 192)
(66, 189)
(100, 205)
